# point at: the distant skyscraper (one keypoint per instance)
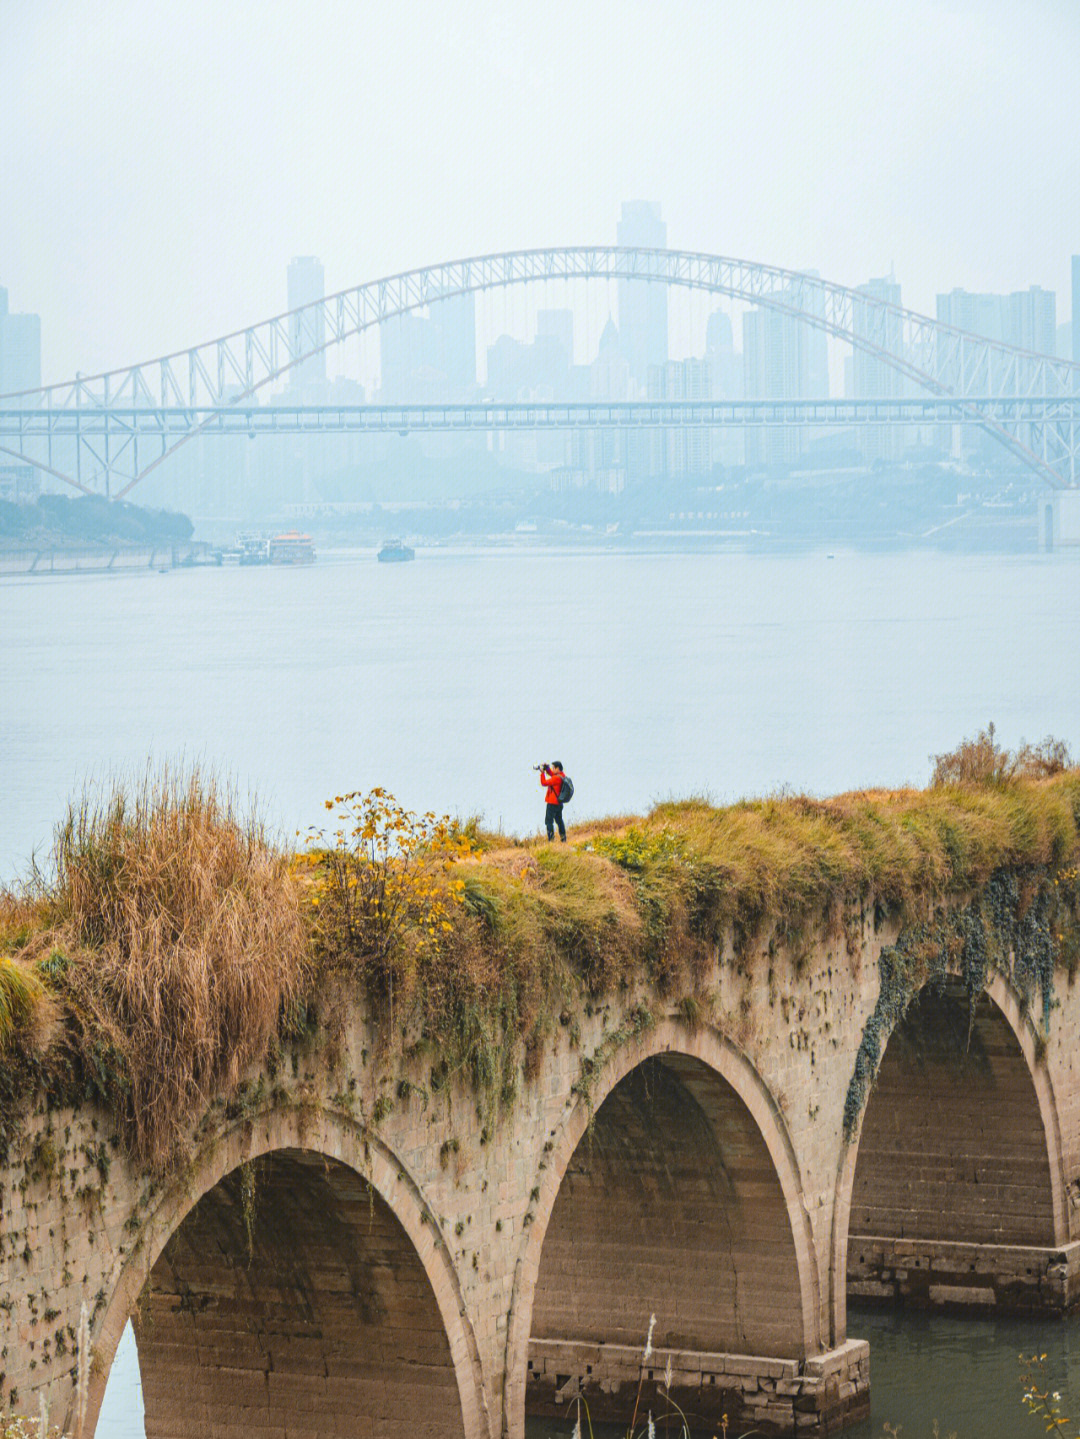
(783, 359)
(643, 308)
(1026, 318)
(456, 322)
(684, 451)
(874, 379)
(409, 357)
(306, 286)
(1076, 308)
(726, 376)
(430, 358)
(20, 350)
(1032, 320)
(983, 315)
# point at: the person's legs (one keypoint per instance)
(558, 820)
(549, 819)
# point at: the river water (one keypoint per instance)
(647, 674)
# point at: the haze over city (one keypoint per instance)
(158, 170)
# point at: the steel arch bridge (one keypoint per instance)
(182, 393)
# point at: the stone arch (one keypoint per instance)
(354, 1184)
(984, 1168)
(751, 1159)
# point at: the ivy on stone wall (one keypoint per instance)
(1022, 924)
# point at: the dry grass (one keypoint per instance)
(786, 860)
(179, 950)
(26, 1011)
(174, 939)
(982, 761)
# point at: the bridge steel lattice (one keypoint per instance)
(121, 425)
(933, 358)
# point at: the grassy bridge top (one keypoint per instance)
(172, 945)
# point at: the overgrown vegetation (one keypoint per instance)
(983, 761)
(170, 946)
(168, 934)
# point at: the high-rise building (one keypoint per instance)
(784, 358)
(1026, 318)
(871, 377)
(408, 358)
(643, 307)
(983, 315)
(726, 375)
(455, 322)
(432, 357)
(306, 332)
(1032, 320)
(1076, 308)
(20, 350)
(684, 451)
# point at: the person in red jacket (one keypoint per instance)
(551, 777)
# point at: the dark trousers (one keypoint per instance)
(553, 817)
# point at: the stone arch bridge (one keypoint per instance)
(347, 1254)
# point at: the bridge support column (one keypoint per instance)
(814, 1396)
(941, 1274)
(1059, 519)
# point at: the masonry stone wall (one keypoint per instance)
(393, 1259)
(290, 1298)
(671, 1205)
(952, 1144)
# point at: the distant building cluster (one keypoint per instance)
(431, 357)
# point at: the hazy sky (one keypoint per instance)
(160, 165)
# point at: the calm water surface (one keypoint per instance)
(648, 675)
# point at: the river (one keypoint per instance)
(648, 675)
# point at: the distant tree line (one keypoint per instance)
(56, 520)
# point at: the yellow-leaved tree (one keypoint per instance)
(379, 891)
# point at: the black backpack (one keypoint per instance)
(566, 790)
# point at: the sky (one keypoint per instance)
(160, 165)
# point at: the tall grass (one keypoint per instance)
(176, 942)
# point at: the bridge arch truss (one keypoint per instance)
(931, 358)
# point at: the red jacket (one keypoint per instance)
(551, 779)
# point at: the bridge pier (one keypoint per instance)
(815, 1396)
(952, 1275)
(1059, 519)
(956, 1197)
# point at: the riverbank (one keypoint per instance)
(101, 559)
(60, 534)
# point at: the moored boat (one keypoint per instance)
(394, 551)
(292, 548)
(249, 550)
